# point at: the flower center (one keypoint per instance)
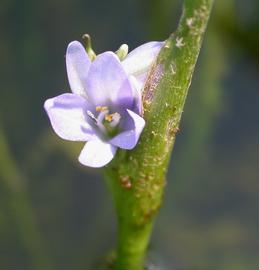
(106, 122)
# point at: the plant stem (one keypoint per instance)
(137, 178)
(132, 245)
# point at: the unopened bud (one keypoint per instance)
(88, 46)
(122, 51)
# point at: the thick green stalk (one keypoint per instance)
(137, 178)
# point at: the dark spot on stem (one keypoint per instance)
(125, 182)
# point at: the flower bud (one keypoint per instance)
(88, 46)
(122, 51)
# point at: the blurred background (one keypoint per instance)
(56, 214)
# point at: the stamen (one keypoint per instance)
(102, 115)
(115, 119)
(98, 120)
(91, 115)
(101, 108)
(109, 117)
(112, 120)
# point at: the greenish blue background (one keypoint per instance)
(57, 214)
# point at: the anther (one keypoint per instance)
(115, 119)
(101, 108)
(109, 117)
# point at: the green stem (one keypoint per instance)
(137, 178)
(132, 245)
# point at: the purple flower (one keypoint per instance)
(105, 105)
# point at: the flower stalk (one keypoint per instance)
(137, 178)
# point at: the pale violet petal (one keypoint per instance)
(78, 64)
(137, 107)
(129, 138)
(97, 153)
(67, 116)
(108, 83)
(139, 61)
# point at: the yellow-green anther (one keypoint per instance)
(88, 46)
(122, 51)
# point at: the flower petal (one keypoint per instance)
(97, 153)
(137, 107)
(67, 116)
(108, 83)
(138, 61)
(78, 64)
(129, 138)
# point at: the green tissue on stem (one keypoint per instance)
(137, 178)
